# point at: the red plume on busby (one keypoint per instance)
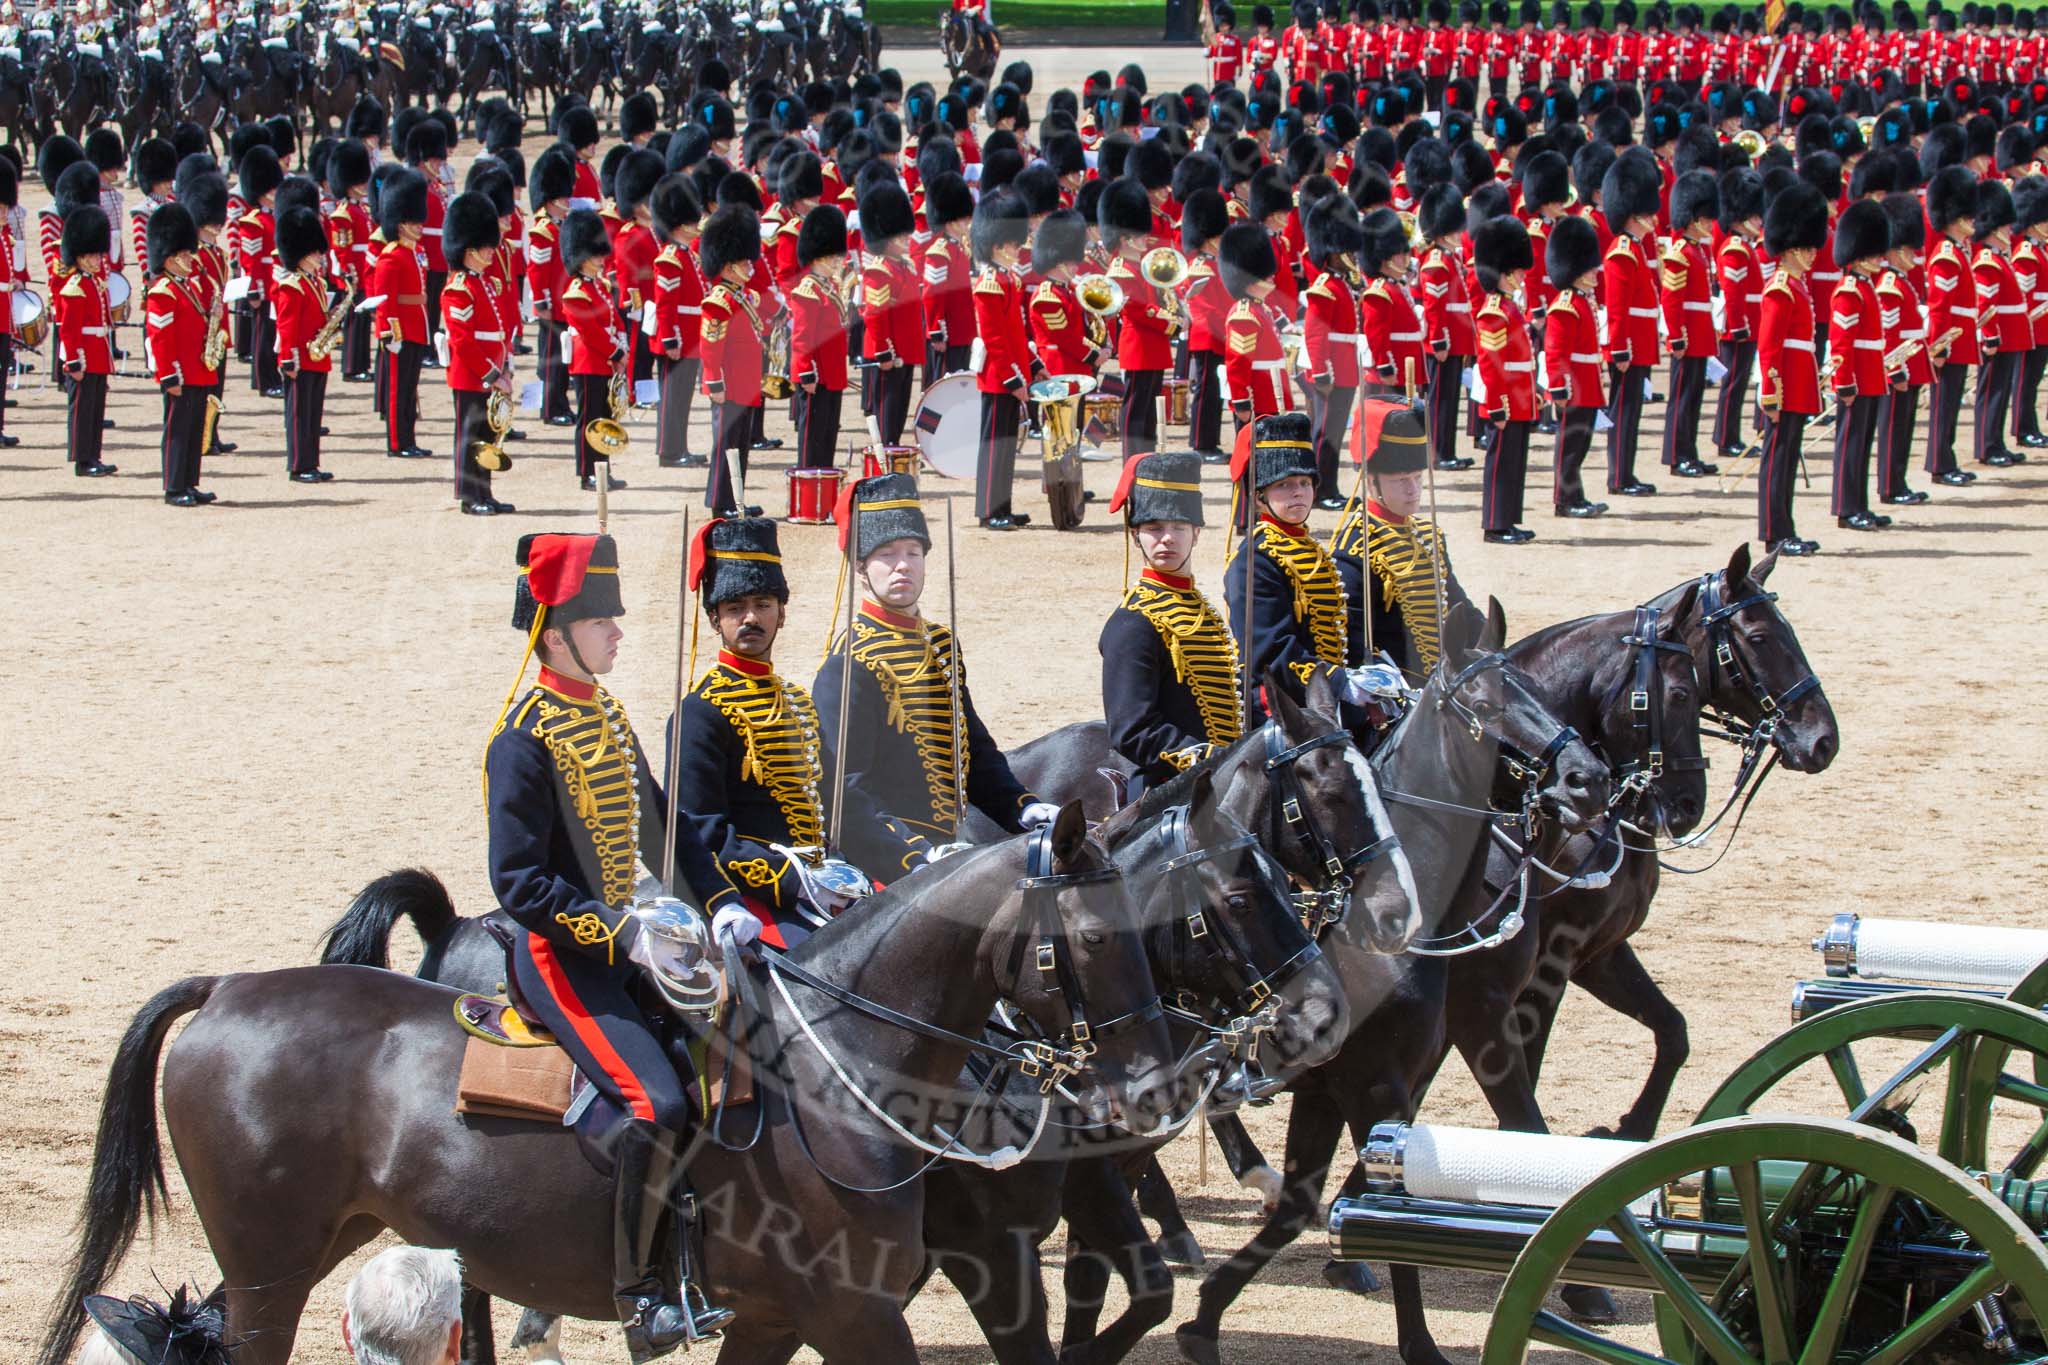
(1389, 437)
(576, 577)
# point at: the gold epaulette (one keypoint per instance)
(1321, 288)
(807, 288)
(1621, 246)
(1121, 267)
(1889, 283)
(1199, 269)
(1779, 284)
(163, 289)
(986, 281)
(74, 287)
(1377, 289)
(1563, 303)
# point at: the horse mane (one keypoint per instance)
(1156, 801)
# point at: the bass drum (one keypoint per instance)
(948, 425)
(118, 294)
(31, 319)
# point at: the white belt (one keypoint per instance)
(1642, 312)
(94, 331)
(1796, 345)
(1870, 345)
(2011, 308)
(1351, 337)
(1827, 274)
(1405, 336)
(1519, 366)
(1459, 307)
(1913, 336)
(1269, 364)
(1588, 359)
(1694, 305)
(489, 336)
(431, 232)
(1969, 313)
(689, 311)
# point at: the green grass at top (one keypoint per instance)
(1035, 14)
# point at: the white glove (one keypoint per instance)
(1038, 813)
(737, 923)
(938, 851)
(1373, 682)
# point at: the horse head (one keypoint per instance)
(1754, 667)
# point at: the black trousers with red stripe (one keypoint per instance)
(817, 423)
(1329, 418)
(1682, 419)
(1507, 474)
(1140, 412)
(1205, 400)
(995, 462)
(889, 400)
(1895, 440)
(732, 428)
(1444, 380)
(402, 395)
(88, 398)
(1996, 380)
(1854, 429)
(2026, 407)
(587, 1006)
(1740, 358)
(1949, 382)
(1782, 436)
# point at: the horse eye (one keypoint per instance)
(1094, 938)
(1238, 901)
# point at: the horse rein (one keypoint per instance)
(1325, 903)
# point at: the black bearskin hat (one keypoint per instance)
(1994, 208)
(86, 233)
(56, 155)
(576, 577)
(296, 191)
(1571, 251)
(1203, 218)
(1124, 210)
(155, 163)
(1062, 239)
(1427, 165)
(947, 199)
(300, 234)
(402, 200)
(1695, 198)
(1546, 179)
(492, 178)
(1269, 193)
(1441, 212)
(428, 141)
(348, 166)
(1001, 219)
(471, 225)
(636, 178)
(1951, 196)
(1500, 246)
(366, 120)
(822, 235)
(554, 177)
(1861, 232)
(1331, 229)
(801, 176)
(737, 557)
(885, 212)
(260, 174)
(577, 126)
(1630, 189)
(1796, 219)
(1742, 198)
(79, 184)
(639, 114)
(1385, 237)
(731, 235)
(1161, 486)
(584, 239)
(673, 204)
(205, 197)
(1151, 164)
(103, 149)
(171, 230)
(1281, 448)
(1244, 256)
(884, 508)
(2029, 202)
(1909, 225)
(717, 118)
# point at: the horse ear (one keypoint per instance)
(1667, 624)
(1280, 702)
(1069, 834)
(1738, 567)
(1322, 698)
(1119, 825)
(1496, 633)
(1761, 570)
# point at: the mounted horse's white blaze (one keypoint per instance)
(1369, 786)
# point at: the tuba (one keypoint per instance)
(491, 455)
(606, 435)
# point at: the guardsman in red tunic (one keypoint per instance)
(597, 346)
(1255, 364)
(426, 151)
(1742, 294)
(1262, 50)
(2030, 265)
(1571, 357)
(1687, 280)
(1795, 229)
(893, 333)
(1905, 315)
(156, 168)
(10, 199)
(1446, 319)
(2006, 333)
(1203, 219)
(300, 301)
(732, 349)
(947, 276)
(1060, 330)
(401, 281)
(1149, 320)
(1226, 49)
(1952, 316)
(205, 197)
(549, 191)
(1629, 199)
(256, 246)
(179, 321)
(817, 336)
(633, 253)
(1391, 327)
(84, 333)
(678, 316)
(479, 351)
(1330, 332)
(348, 237)
(1856, 361)
(1007, 368)
(1502, 255)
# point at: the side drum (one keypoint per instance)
(812, 495)
(31, 318)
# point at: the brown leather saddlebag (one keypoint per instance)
(514, 1082)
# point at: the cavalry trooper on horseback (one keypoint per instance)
(745, 744)
(913, 739)
(1170, 687)
(1409, 562)
(573, 809)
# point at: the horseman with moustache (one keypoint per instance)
(574, 809)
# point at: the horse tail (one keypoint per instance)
(127, 1162)
(362, 936)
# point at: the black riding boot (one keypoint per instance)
(640, 1204)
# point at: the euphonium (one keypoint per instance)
(1101, 298)
(1753, 144)
(323, 342)
(1164, 268)
(491, 454)
(606, 435)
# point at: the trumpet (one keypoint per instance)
(606, 435)
(491, 454)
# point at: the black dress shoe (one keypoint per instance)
(324, 431)
(1021, 518)
(411, 453)
(769, 443)
(522, 349)
(6, 440)
(11, 403)
(482, 507)
(752, 509)
(2034, 440)
(1912, 497)
(1795, 548)
(1087, 495)
(273, 393)
(673, 461)
(106, 424)
(1546, 426)
(1636, 488)
(1514, 535)
(2000, 459)
(1956, 478)
(185, 499)
(1582, 509)
(566, 419)
(1214, 456)
(514, 434)
(1694, 469)
(1453, 463)
(310, 476)
(611, 485)
(363, 377)
(1859, 521)
(503, 506)
(1330, 504)
(998, 523)
(225, 447)
(98, 469)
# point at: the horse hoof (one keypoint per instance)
(1590, 1305)
(1353, 1277)
(1195, 1347)
(1265, 1182)
(1181, 1248)
(1603, 1131)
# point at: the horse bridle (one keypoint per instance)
(1648, 761)
(1326, 902)
(1052, 1061)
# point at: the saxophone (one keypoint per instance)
(215, 353)
(207, 427)
(323, 342)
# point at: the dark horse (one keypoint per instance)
(1448, 790)
(310, 1109)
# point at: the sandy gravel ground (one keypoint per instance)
(229, 719)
